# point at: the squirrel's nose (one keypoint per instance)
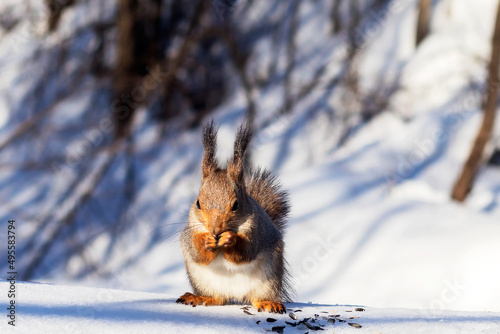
(216, 221)
(216, 231)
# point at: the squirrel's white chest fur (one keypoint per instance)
(230, 280)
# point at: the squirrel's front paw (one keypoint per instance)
(209, 242)
(227, 239)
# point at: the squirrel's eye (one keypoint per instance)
(235, 206)
(198, 204)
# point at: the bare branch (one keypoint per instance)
(466, 179)
(424, 16)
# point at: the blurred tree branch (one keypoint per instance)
(64, 214)
(424, 17)
(335, 17)
(174, 64)
(465, 181)
(291, 50)
(56, 8)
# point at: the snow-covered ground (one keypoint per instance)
(372, 223)
(43, 308)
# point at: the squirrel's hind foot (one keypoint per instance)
(194, 300)
(272, 307)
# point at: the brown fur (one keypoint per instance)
(209, 164)
(190, 299)
(266, 190)
(273, 307)
(239, 214)
(235, 165)
(206, 245)
(237, 251)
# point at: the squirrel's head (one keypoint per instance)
(222, 201)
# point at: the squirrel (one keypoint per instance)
(233, 243)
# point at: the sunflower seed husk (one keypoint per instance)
(313, 327)
(278, 329)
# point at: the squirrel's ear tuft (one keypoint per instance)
(236, 164)
(209, 164)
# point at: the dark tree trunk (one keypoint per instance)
(335, 17)
(466, 179)
(56, 8)
(138, 50)
(424, 16)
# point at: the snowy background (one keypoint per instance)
(369, 148)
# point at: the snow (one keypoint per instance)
(372, 221)
(44, 308)
(378, 245)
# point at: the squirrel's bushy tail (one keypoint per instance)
(263, 187)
